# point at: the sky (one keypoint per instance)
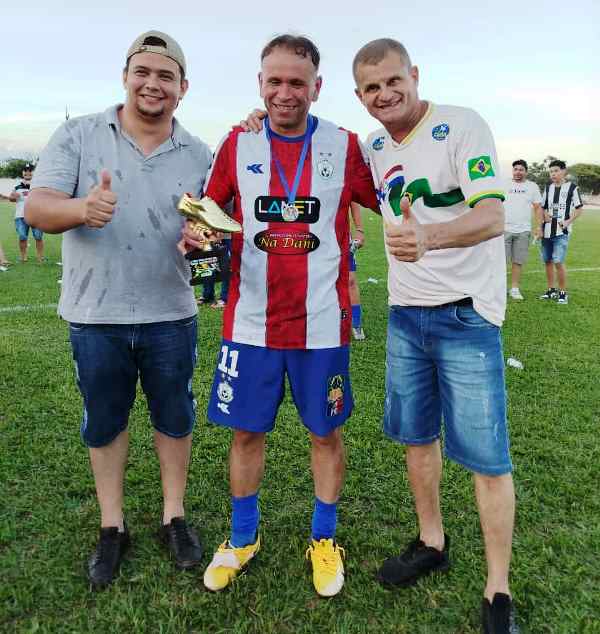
(531, 69)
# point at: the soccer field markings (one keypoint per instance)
(25, 307)
(579, 270)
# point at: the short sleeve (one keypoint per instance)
(536, 197)
(220, 182)
(58, 165)
(476, 161)
(359, 174)
(577, 202)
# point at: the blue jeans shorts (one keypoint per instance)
(446, 364)
(249, 386)
(23, 230)
(554, 249)
(109, 358)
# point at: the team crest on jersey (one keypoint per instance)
(480, 167)
(440, 132)
(225, 392)
(276, 209)
(378, 143)
(325, 168)
(335, 395)
(282, 242)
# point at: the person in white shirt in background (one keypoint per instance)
(522, 196)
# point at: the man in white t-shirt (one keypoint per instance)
(435, 170)
(522, 196)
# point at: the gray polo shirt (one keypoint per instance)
(130, 270)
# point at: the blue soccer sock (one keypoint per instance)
(244, 520)
(324, 520)
(356, 316)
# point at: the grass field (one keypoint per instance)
(49, 518)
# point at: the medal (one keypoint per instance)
(289, 211)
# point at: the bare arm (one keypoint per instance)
(359, 232)
(410, 240)
(538, 214)
(53, 211)
(484, 221)
(573, 217)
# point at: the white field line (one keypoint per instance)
(26, 307)
(569, 270)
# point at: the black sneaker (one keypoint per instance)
(551, 293)
(103, 565)
(498, 617)
(182, 541)
(415, 562)
(563, 297)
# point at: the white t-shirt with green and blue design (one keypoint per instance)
(445, 165)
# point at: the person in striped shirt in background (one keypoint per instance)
(562, 205)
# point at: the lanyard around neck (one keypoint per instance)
(293, 190)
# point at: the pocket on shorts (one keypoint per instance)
(469, 318)
(75, 326)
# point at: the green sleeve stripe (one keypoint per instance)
(492, 193)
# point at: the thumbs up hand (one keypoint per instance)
(407, 241)
(100, 203)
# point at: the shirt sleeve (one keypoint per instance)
(359, 175)
(476, 162)
(58, 165)
(577, 202)
(536, 197)
(220, 181)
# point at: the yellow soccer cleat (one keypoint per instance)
(207, 214)
(328, 568)
(227, 563)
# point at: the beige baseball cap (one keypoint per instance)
(158, 42)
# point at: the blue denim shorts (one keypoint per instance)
(554, 249)
(446, 364)
(109, 359)
(249, 386)
(23, 230)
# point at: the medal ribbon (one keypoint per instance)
(293, 190)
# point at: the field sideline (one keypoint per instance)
(48, 513)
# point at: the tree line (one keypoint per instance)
(13, 168)
(586, 175)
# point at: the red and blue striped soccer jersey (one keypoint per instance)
(289, 271)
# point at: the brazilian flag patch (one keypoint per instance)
(480, 167)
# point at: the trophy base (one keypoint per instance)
(208, 266)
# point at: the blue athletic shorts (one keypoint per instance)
(249, 386)
(109, 359)
(23, 230)
(446, 363)
(352, 261)
(554, 249)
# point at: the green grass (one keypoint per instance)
(49, 518)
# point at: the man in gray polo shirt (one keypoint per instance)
(111, 182)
